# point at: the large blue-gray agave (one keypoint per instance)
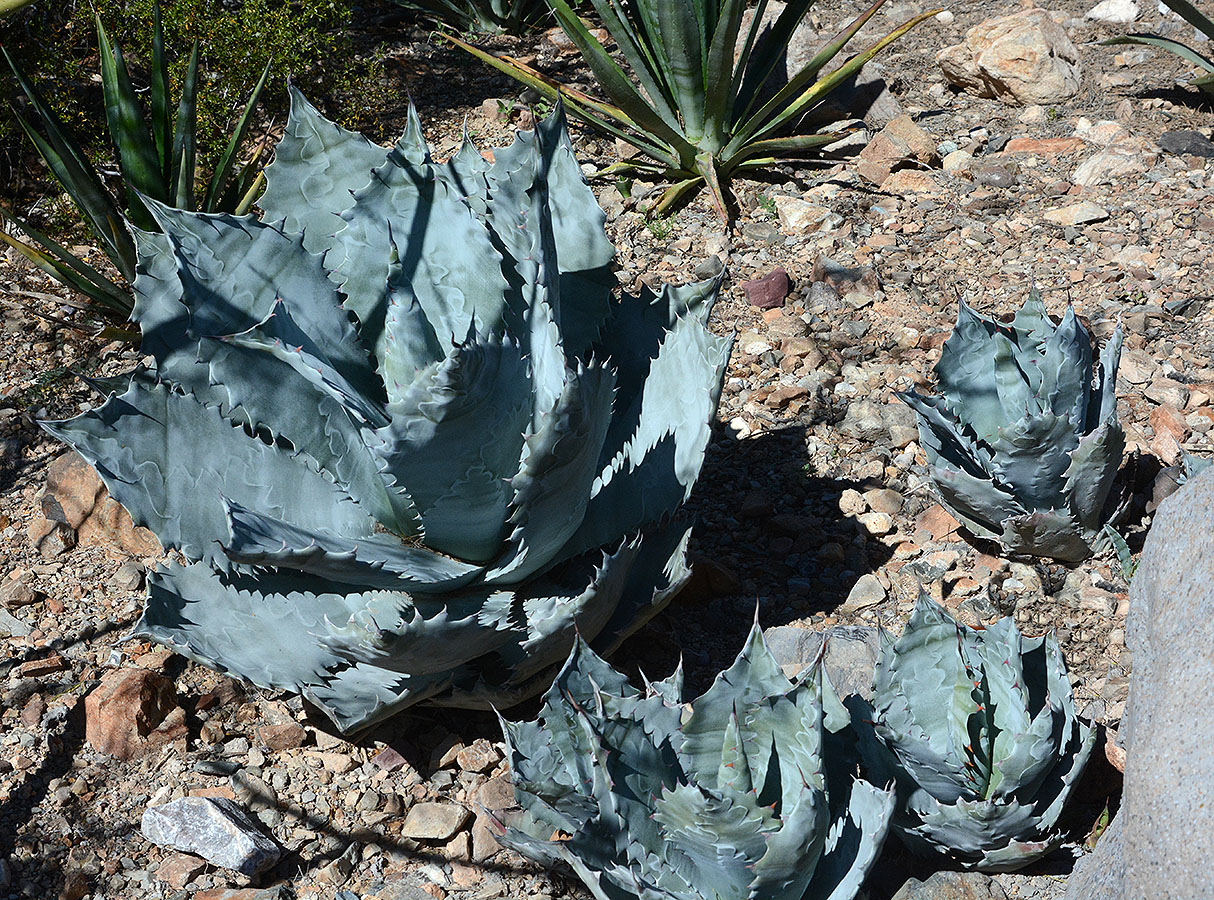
(728, 797)
(1023, 444)
(403, 436)
(978, 730)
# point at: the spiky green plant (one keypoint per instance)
(400, 430)
(156, 156)
(978, 730)
(1023, 444)
(1198, 20)
(485, 16)
(695, 112)
(727, 797)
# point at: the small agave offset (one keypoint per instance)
(1024, 444)
(978, 730)
(725, 798)
(402, 434)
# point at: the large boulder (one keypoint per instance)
(1024, 58)
(1167, 809)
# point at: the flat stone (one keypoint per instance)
(768, 292)
(179, 869)
(216, 829)
(851, 654)
(952, 886)
(1187, 143)
(866, 592)
(1048, 147)
(479, 756)
(434, 821)
(798, 215)
(1168, 392)
(20, 591)
(1076, 214)
(1129, 156)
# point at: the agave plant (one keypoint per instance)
(978, 730)
(400, 431)
(726, 797)
(1024, 443)
(486, 16)
(696, 114)
(157, 160)
(1198, 20)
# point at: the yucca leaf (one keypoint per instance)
(67, 268)
(1152, 40)
(185, 133)
(759, 63)
(226, 165)
(158, 90)
(136, 149)
(787, 105)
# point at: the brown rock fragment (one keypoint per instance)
(132, 712)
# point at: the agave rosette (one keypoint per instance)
(1023, 442)
(728, 797)
(403, 436)
(978, 730)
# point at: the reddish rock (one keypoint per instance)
(937, 522)
(19, 591)
(180, 869)
(44, 666)
(1170, 419)
(50, 538)
(75, 499)
(132, 712)
(282, 736)
(31, 713)
(769, 291)
(389, 760)
(1044, 147)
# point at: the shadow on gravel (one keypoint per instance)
(768, 534)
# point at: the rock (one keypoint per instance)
(1128, 156)
(1023, 58)
(282, 735)
(937, 523)
(952, 886)
(957, 161)
(278, 892)
(863, 421)
(909, 181)
(884, 500)
(1076, 214)
(50, 538)
(864, 95)
(19, 591)
(1100, 873)
(11, 626)
(1169, 771)
(180, 869)
(1114, 12)
(434, 821)
(1187, 143)
(132, 712)
(851, 654)
(216, 829)
(866, 592)
(769, 291)
(480, 756)
(76, 497)
(844, 279)
(129, 577)
(1167, 392)
(800, 215)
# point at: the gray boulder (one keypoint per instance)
(1166, 819)
(215, 828)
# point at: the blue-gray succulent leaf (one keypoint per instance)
(1030, 457)
(171, 461)
(317, 167)
(1102, 401)
(372, 560)
(1032, 325)
(1049, 534)
(1065, 364)
(1089, 478)
(553, 483)
(853, 843)
(966, 372)
(454, 441)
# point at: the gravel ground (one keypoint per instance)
(813, 503)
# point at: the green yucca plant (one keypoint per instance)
(156, 152)
(978, 730)
(1023, 442)
(404, 437)
(726, 797)
(1198, 20)
(695, 114)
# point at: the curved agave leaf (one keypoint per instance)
(720, 798)
(377, 422)
(1023, 442)
(978, 730)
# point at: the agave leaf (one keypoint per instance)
(1151, 40)
(853, 843)
(144, 444)
(1031, 456)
